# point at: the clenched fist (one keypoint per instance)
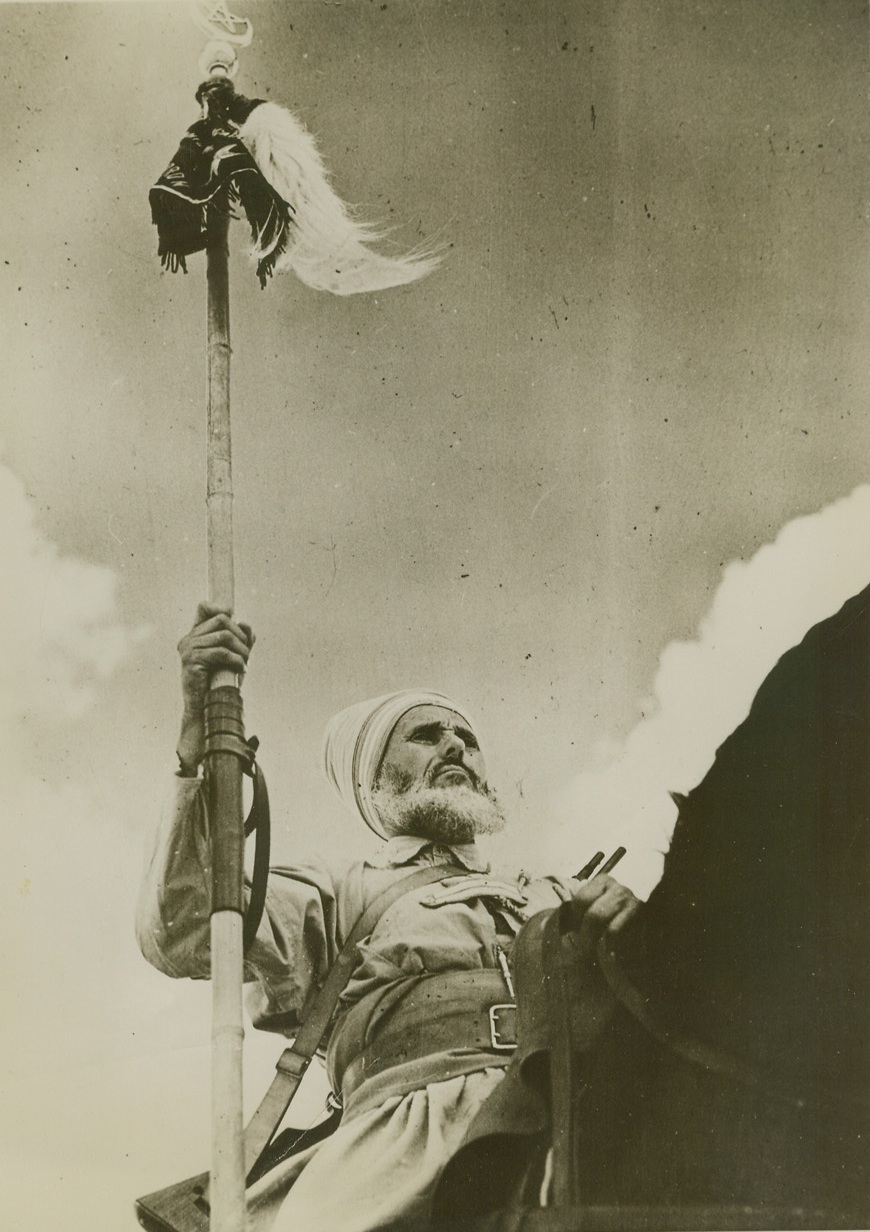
(215, 643)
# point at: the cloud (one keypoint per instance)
(105, 1082)
(704, 688)
(67, 873)
(58, 620)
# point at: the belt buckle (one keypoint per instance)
(496, 1030)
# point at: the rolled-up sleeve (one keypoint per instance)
(296, 941)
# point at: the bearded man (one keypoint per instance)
(414, 1050)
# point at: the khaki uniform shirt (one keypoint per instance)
(457, 924)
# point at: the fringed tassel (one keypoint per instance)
(268, 219)
(180, 225)
(328, 249)
(172, 261)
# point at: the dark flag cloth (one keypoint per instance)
(212, 165)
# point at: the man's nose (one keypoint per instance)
(452, 744)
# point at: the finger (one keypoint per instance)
(219, 637)
(600, 913)
(627, 912)
(588, 892)
(565, 887)
(217, 657)
(611, 901)
(221, 621)
(204, 610)
(250, 635)
(216, 624)
(581, 902)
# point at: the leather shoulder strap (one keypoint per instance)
(319, 1008)
(318, 1011)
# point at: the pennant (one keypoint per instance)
(212, 165)
(270, 165)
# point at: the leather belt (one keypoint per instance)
(441, 1013)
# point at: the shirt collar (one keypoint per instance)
(404, 848)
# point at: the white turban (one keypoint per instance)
(356, 740)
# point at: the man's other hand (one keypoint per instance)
(600, 907)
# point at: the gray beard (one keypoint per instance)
(450, 814)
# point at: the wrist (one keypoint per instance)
(193, 711)
(186, 769)
(190, 748)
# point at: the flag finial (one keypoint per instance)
(226, 32)
(256, 154)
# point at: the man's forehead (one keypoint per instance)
(418, 715)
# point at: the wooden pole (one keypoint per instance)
(224, 728)
(219, 480)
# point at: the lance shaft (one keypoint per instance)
(224, 758)
(219, 495)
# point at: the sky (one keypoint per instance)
(591, 477)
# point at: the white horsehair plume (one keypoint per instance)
(327, 248)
